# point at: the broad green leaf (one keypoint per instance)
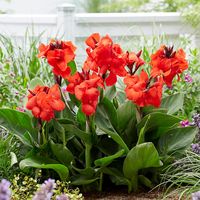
(158, 123)
(140, 157)
(115, 136)
(73, 130)
(103, 123)
(141, 138)
(107, 160)
(145, 181)
(109, 109)
(17, 122)
(110, 92)
(173, 103)
(35, 82)
(125, 113)
(150, 109)
(89, 172)
(176, 139)
(44, 163)
(63, 154)
(116, 176)
(83, 180)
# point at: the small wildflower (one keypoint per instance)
(62, 197)
(196, 148)
(196, 196)
(5, 191)
(46, 190)
(185, 123)
(188, 78)
(196, 120)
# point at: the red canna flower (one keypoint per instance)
(168, 63)
(105, 58)
(134, 60)
(141, 91)
(43, 101)
(58, 54)
(85, 87)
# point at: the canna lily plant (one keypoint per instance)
(109, 122)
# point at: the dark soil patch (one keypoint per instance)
(123, 195)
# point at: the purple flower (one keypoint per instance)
(196, 148)
(5, 191)
(196, 196)
(62, 197)
(46, 190)
(196, 120)
(185, 123)
(188, 78)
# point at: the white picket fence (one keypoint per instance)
(77, 26)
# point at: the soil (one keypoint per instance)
(123, 195)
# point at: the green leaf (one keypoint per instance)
(103, 122)
(44, 163)
(158, 123)
(141, 138)
(114, 135)
(83, 180)
(107, 160)
(145, 181)
(116, 177)
(173, 103)
(13, 159)
(72, 65)
(63, 154)
(125, 113)
(109, 109)
(176, 139)
(81, 118)
(140, 157)
(34, 82)
(110, 92)
(19, 123)
(72, 129)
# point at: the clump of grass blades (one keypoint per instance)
(182, 177)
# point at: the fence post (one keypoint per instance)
(66, 22)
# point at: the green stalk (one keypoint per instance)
(101, 181)
(138, 114)
(134, 181)
(88, 146)
(64, 139)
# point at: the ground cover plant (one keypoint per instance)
(87, 131)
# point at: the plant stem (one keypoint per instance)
(101, 181)
(88, 146)
(87, 155)
(138, 114)
(63, 137)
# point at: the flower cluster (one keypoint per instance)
(168, 63)
(5, 192)
(196, 195)
(84, 86)
(46, 190)
(105, 57)
(43, 101)
(58, 54)
(104, 63)
(196, 148)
